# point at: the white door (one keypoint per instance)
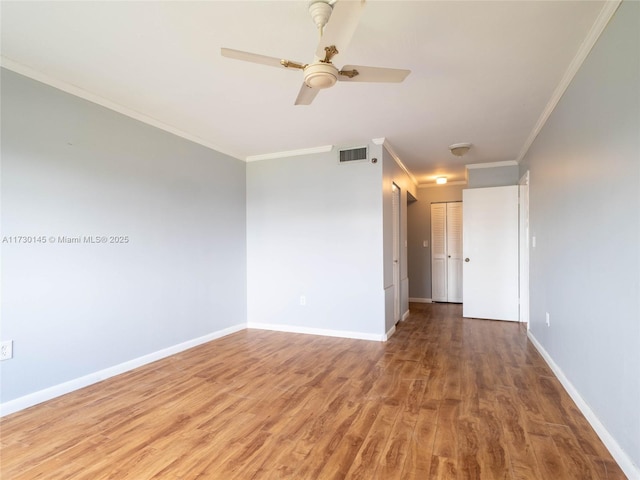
(446, 252)
(490, 247)
(454, 252)
(395, 193)
(439, 252)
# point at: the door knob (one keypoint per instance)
(466, 259)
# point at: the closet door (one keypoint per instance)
(454, 252)
(439, 252)
(446, 252)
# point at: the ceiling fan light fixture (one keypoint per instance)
(459, 149)
(320, 75)
(441, 180)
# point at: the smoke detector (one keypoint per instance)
(459, 149)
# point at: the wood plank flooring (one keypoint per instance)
(444, 398)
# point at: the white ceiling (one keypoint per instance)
(482, 71)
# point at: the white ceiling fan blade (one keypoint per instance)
(306, 95)
(251, 57)
(341, 26)
(373, 74)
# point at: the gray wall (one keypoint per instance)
(584, 213)
(314, 228)
(492, 176)
(419, 222)
(72, 168)
(393, 173)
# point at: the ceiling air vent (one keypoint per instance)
(358, 154)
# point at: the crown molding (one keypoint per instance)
(105, 102)
(385, 143)
(289, 153)
(507, 163)
(597, 28)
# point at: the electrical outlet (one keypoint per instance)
(6, 350)
(548, 320)
(303, 300)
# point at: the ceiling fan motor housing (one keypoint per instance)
(320, 75)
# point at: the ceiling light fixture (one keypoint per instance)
(441, 180)
(459, 149)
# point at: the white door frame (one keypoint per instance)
(523, 283)
(395, 218)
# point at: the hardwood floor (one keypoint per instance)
(444, 398)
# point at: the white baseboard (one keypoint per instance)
(40, 396)
(317, 331)
(389, 334)
(631, 470)
(405, 316)
(420, 300)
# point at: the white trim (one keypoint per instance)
(383, 141)
(608, 9)
(507, 163)
(104, 102)
(391, 331)
(289, 153)
(444, 185)
(317, 331)
(40, 396)
(524, 252)
(405, 315)
(626, 464)
(420, 300)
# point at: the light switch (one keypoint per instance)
(533, 242)
(425, 244)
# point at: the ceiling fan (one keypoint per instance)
(340, 19)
